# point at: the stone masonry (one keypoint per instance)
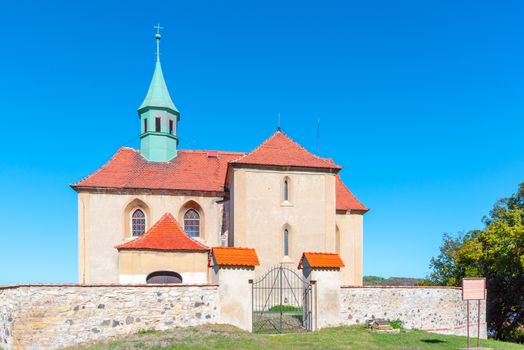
(434, 309)
(54, 316)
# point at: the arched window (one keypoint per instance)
(160, 277)
(138, 221)
(286, 242)
(286, 189)
(192, 223)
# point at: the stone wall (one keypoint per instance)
(434, 309)
(53, 316)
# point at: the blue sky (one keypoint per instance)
(422, 102)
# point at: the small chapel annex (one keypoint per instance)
(153, 214)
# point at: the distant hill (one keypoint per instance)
(391, 281)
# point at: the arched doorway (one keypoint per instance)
(163, 277)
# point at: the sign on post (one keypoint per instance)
(474, 289)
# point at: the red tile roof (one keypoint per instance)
(190, 170)
(345, 199)
(280, 150)
(207, 170)
(322, 260)
(234, 256)
(166, 234)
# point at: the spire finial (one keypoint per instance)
(157, 37)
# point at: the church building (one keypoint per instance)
(152, 215)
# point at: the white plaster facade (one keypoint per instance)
(103, 224)
(252, 214)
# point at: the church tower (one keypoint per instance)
(158, 117)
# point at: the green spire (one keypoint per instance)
(158, 117)
(158, 94)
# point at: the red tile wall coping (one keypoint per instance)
(405, 287)
(13, 286)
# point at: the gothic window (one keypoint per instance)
(157, 124)
(286, 189)
(138, 222)
(145, 125)
(171, 127)
(286, 242)
(192, 223)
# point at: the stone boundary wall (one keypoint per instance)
(433, 309)
(54, 316)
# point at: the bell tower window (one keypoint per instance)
(157, 124)
(171, 127)
(145, 125)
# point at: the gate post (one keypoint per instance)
(233, 269)
(323, 269)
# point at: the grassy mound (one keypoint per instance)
(228, 337)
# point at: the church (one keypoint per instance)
(152, 215)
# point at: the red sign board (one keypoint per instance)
(473, 288)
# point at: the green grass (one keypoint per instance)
(285, 308)
(228, 337)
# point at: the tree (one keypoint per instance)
(497, 253)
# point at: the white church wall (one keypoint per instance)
(351, 227)
(102, 225)
(260, 215)
(135, 265)
(187, 278)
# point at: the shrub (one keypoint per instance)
(396, 324)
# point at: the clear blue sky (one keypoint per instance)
(422, 102)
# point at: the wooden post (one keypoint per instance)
(468, 322)
(478, 324)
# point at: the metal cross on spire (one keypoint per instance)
(157, 36)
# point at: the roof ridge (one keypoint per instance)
(256, 148)
(209, 150)
(157, 223)
(178, 231)
(325, 161)
(304, 148)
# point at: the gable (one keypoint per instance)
(280, 150)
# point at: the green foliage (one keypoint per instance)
(146, 331)
(285, 308)
(497, 253)
(391, 281)
(396, 324)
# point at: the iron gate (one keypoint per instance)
(282, 302)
